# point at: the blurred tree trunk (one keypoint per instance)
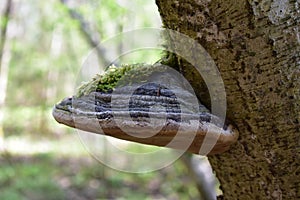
(256, 46)
(52, 76)
(5, 56)
(204, 178)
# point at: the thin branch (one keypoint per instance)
(91, 36)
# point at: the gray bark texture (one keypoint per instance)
(256, 47)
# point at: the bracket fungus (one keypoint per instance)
(148, 104)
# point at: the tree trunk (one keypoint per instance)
(5, 56)
(256, 46)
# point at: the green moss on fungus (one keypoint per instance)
(123, 75)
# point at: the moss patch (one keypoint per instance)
(124, 75)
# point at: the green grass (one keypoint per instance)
(47, 176)
(28, 179)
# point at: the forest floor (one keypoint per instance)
(53, 176)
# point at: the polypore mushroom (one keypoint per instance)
(148, 104)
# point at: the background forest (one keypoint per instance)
(43, 45)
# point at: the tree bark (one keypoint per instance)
(256, 46)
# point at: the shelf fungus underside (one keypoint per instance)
(146, 104)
